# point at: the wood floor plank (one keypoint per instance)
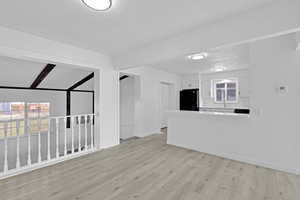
(149, 169)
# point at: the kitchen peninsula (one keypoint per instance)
(219, 133)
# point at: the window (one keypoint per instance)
(14, 116)
(12, 120)
(226, 91)
(38, 114)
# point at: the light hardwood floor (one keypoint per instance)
(148, 169)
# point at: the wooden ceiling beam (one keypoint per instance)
(44, 73)
(82, 81)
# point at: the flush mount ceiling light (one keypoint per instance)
(99, 5)
(198, 56)
(219, 68)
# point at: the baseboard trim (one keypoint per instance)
(243, 159)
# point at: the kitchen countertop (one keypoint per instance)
(195, 113)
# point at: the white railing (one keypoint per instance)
(61, 138)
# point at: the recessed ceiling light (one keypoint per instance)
(98, 5)
(198, 56)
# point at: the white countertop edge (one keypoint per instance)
(170, 113)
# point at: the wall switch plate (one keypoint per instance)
(282, 89)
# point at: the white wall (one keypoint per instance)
(190, 81)
(127, 107)
(270, 137)
(26, 46)
(167, 102)
(148, 98)
(81, 103)
(275, 63)
(241, 75)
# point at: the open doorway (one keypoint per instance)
(127, 107)
(168, 102)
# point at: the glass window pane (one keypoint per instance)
(12, 117)
(220, 85)
(2, 130)
(7, 128)
(13, 128)
(34, 126)
(231, 95)
(17, 115)
(219, 95)
(21, 127)
(2, 134)
(231, 85)
(13, 132)
(5, 111)
(44, 125)
(33, 110)
(44, 109)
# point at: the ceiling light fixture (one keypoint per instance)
(198, 56)
(219, 68)
(99, 5)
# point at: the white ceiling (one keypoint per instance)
(64, 77)
(21, 73)
(231, 58)
(127, 25)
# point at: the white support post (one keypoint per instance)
(72, 133)
(92, 130)
(79, 133)
(27, 132)
(5, 150)
(48, 140)
(39, 141)
(18, 144)
(85, 131)
(65, 143)
(57, 141)
(29, 144)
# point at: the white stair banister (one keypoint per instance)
(18, 144)
(39, 141)
(5, 169)
(57, 141)
(29, 145)
(79, 133)
(72, 134)
(85, 132)
(92, 130)
(48, 140)
(61, 141)
(65, 142)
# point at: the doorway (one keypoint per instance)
(127, 106)
(168, 102)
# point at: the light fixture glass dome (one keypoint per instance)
(198, 56)
(99, 5)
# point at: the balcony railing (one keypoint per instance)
(24, 146)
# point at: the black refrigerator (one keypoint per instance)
(189, 100)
